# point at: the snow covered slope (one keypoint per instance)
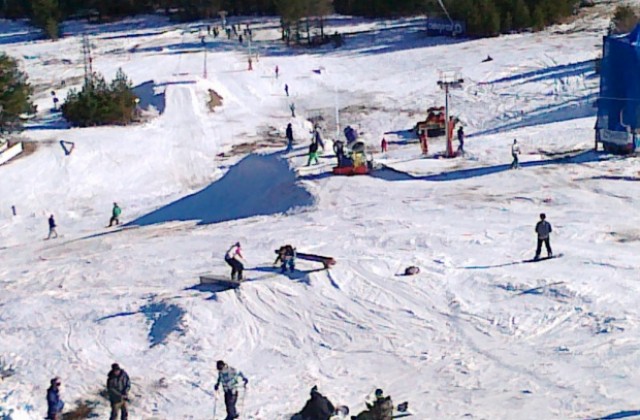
(478, 334)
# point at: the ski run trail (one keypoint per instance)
(476, 335)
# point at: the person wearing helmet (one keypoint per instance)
(229, 378)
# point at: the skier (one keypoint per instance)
(543, 229)
(277, 71)
(286, 89)
(289, 133)
(287, 257)
(292, 107)
(52, 227)
(318, 407)
(115, 215)
(460, 140)
(230, 380)
(54, 403)
(383, 145)
(118, 386)
(234, 258)
(515, 151)
(380, 409)
(313, 153)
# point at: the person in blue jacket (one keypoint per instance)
(54, 402)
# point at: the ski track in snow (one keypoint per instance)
(477, 334)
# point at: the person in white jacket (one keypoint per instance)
(234, 258)
(515, 151)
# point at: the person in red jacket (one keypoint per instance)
(383, 145)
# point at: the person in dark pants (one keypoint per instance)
(289, 133)
(52, 227)
(234, 258)
(318, 407)
(115, 215)
(460, 140)
(286, 89)
(118, 386)
(229, 378)
(515, 151)
(286, 257)
(55, 404)
(543, 229)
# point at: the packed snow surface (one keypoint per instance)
(478, 334)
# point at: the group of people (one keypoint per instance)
(116, 211)
(118, 387)
(318, 407)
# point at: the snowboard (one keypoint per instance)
(533, 260)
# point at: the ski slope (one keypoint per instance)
(477, 334)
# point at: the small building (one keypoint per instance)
(618, 123)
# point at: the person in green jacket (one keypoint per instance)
(115, 215)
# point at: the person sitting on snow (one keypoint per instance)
(318, 407)
(380, 409)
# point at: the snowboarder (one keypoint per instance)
(115, 215)
(460, 140)
(52, 227)
(289, 133)
(286, 257)
(383, 145)
(118, 386)
(277, 71)
(313, 153)
(286, 89)
(292, 107)
(54, 402)
(543, 229)
(515, 151)
(318, 407)
(234, 258)
(380, 409)
(230, 380)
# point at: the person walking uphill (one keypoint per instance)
(54, 402)
(234, 258)
(543, 229)
(229, 378)
(118, 386)
(115, 215)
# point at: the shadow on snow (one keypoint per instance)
(619, 415)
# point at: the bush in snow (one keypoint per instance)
(99, 103)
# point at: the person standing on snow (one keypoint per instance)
(287, 258)
(318, 407)
(515, 151)
(115, 215)
(543, 229)
(289, 133)
(52, 227)
(234, 258)
(54, 402)
(313, 153)
(286, 89)
(277, 71)
(229, 378)
(118, 386)
(383, 145)
(292, 107)
(460, 140)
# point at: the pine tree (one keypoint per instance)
(46, 16)
(15, 94)
(521, 15)
(538, 18)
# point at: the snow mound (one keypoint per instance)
(257, 185)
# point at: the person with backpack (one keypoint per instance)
(235, 259)
(229, 378)
(118, 386)
(52, 227)
(54, 402)
(318, 407)
(380, 409)
(115, 215)
(543, 229)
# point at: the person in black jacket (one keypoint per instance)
(118, 386)
(289, 133)
(543, 229)
(318, 407)
(55, 405)
(313, 153)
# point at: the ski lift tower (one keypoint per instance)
(447, 80)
